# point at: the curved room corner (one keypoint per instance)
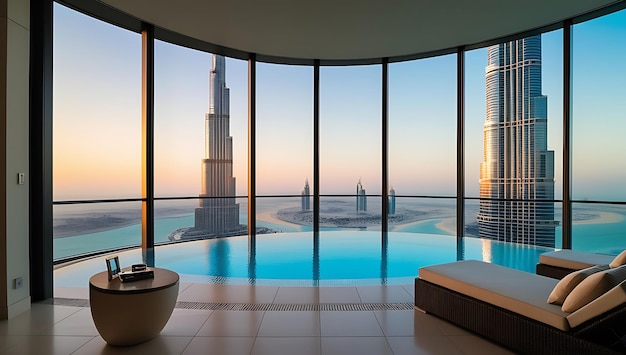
(321, 178)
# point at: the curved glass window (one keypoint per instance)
(181, 103)
(513, 141)
(200, 143)
(350, 146)
(598, 126)
(284, 147)
(599, 118)
(422, 145)
(96, 134)
(510, 160)
(97, 109)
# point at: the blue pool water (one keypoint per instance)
(290, 259)
(342, 257)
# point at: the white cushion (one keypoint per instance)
(573, 259)
(567, 284)
(593, 287)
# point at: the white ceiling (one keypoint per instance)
(351, 29)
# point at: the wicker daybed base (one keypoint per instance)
(552, 271)
(519, 333)
(558, 264)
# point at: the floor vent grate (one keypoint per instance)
(295, 307)
(71, 302)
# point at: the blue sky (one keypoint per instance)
(97, 111)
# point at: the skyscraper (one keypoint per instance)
(217, 214)
(516, 163)
(391, 206)
(361, 197)
(306, 196)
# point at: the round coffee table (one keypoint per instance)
(127, 313)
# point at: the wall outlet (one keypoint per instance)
(18, 283)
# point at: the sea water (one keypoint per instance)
(605, 238)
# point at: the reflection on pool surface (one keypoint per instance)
(292, 259)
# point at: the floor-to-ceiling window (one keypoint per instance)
(96, 134)
(552, 87)
(350, 141)
(237, 82)
(422, 145)
(181, 102)
(200, 144)
(475, 112)
(598, 127)
(513, 133)
(513, 149)
(284, 148)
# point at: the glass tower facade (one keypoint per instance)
(218, 214)
(361, 197)
(517, 171)
(306, 197)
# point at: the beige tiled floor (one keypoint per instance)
(55, 329)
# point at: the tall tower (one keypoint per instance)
(516, 161)
(306, 196)
(391, 206)
(361, 197)
(218, 214)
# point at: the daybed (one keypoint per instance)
(557, 264)
(510, 307)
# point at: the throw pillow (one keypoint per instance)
(567, 284)
(593, 287)
(619, 260)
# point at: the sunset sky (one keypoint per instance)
(97, 117)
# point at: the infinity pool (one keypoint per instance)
(340, 258)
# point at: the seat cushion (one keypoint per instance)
(574, 260)
(567, 284)
(593, 287)
(517, 291)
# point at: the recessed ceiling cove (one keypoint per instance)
(351, 29)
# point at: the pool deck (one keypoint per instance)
(248, 319)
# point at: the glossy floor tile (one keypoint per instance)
(232, 323)
(339, 295)
(287, 345)
(276, 321)
(384, 294)
(403, 323)
(295, 324)
(298, 295)
(356, 345)
(209, 293)
(348, 323)
(220, 345)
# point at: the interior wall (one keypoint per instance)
(14, 118)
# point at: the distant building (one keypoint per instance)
(518, 169)
(361, 198)
(391, 206)
(306, 197)
(218, 214)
